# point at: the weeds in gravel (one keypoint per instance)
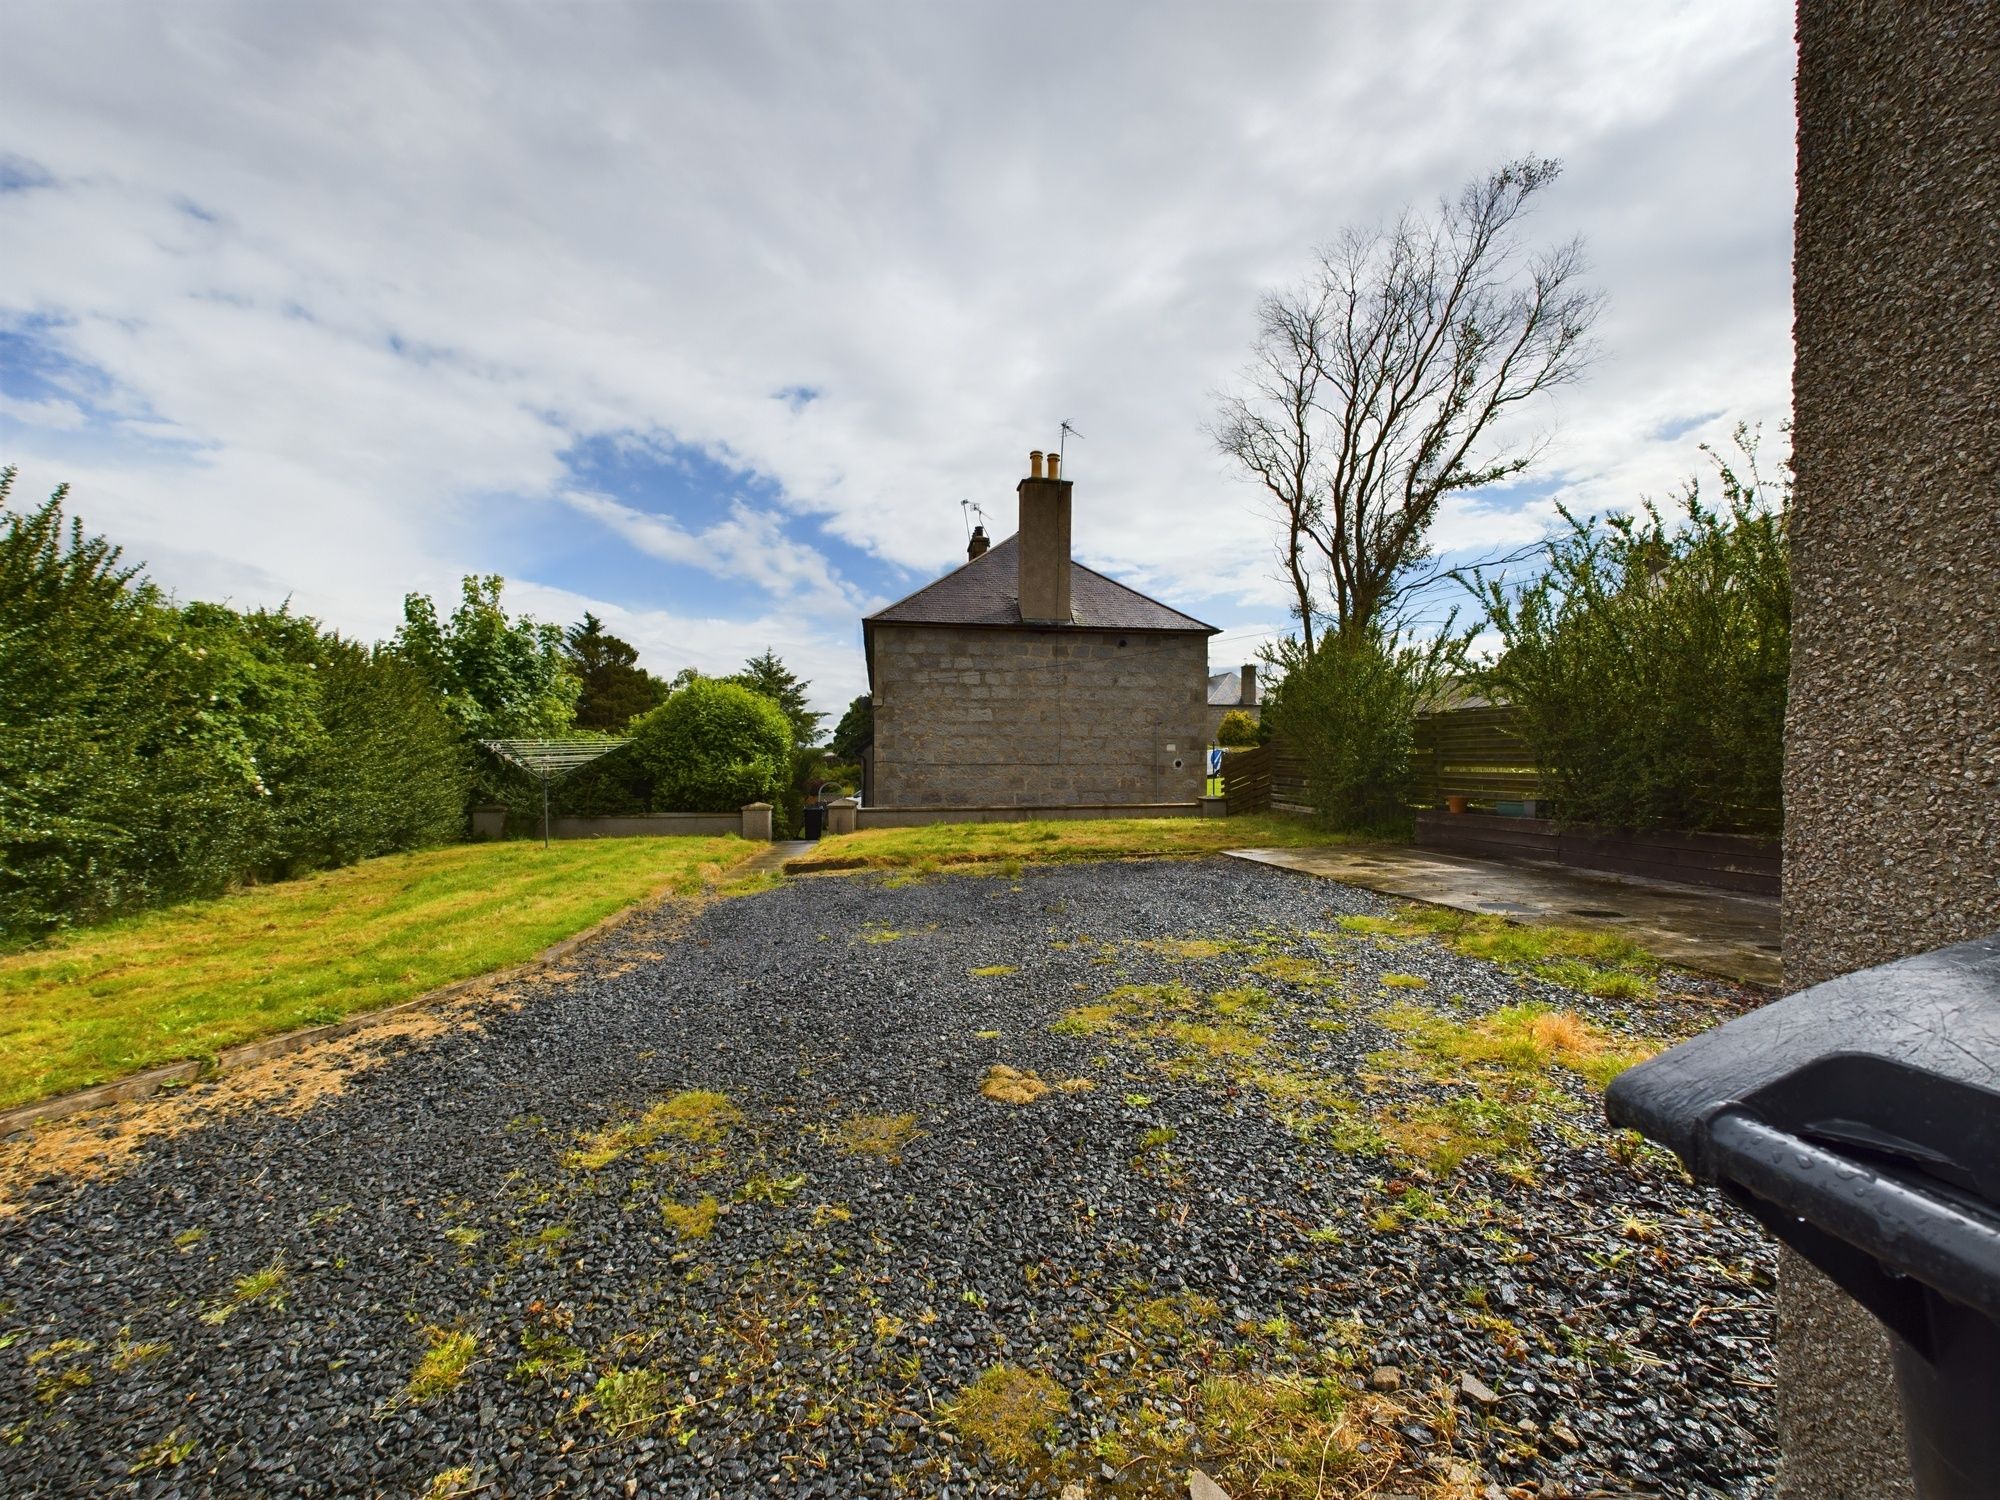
(265, 1285)
(443, 1364)
(1287, 968)
(169, 1452)
(1009, 1086)
(691, 1221)
(447, 1484)
(629, 1400)
(1281, 1436)
(1086, 1020)
(59, 1370)
(1522, 1039)
(876, 1135)
(1594, 960)
(129, 1352)
(1009, 1412)
(994, 971)
(699, 1116)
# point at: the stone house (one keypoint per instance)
(1023, 679)
(1229, 691)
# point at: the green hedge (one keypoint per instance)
(1648, 661)
(151, 752)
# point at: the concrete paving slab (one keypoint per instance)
(1717, 932)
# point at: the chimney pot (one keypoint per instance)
(977, 546)
(1055, 465)
(1034, 463)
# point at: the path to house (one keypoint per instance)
(1717, 932)
(967, 1186)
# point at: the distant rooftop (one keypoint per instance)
(1225, 690)
(986, 591)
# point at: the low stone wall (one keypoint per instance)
(917, 817)
(647, 825)
(1726, 861)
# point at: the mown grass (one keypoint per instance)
(939, 845)
(189, 981)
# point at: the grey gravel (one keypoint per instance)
(808, 1352)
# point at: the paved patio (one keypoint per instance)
(1717, 932)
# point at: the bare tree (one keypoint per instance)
(1272, 428)
(1378, 388)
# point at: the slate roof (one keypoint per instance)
(986, 591)
(1225, 689)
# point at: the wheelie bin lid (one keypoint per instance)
(1858, 1119)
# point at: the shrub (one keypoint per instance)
(714, 746)
(1648, 661)
(1236, 729)
(1349, 710)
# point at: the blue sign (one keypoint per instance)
(1214, 760)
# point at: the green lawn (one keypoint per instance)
(941, 844)
(191, 980)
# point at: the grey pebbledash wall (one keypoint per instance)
(966, 717)
(1892, 745)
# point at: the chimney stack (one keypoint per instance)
(1249, 695)
(1042, 548)
(977, 546)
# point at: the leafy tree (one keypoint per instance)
(1649, 659)
(615, 688)
(1349, 709)
(767, 675)
(1378, 386)
(856, 730)
(1236, 729)
(498, 678)
(713, 746)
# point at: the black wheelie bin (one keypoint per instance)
(1859, 1121)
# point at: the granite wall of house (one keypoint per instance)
(1009, 718)
(1892, 745)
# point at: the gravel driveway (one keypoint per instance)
(726, 1212)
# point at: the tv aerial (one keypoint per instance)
(969, 509)
(1062, 441)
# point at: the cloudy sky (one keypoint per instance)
(707, 317)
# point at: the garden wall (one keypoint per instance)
(646, 825)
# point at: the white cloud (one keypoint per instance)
(55, 414)
(359, 276)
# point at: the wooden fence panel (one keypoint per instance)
(1476, 753)
(1246, 780)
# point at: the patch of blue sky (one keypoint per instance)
(1679, 427)
(690, 490)
(18, 174)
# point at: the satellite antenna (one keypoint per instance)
(1062, 441)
